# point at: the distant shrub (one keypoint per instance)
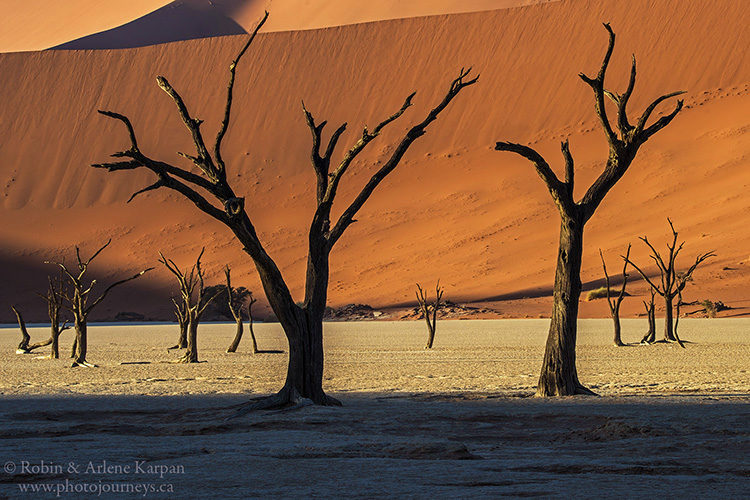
(599, 293)
(712, 307)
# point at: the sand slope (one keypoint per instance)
(455, 209)
(41, 24)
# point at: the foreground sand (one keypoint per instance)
(454, 421)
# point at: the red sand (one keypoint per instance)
(479, 220)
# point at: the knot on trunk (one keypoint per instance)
(234, 206)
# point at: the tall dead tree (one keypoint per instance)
(182, 320)
(559, 376)
(302, 323)
(614, 302)
(650, 336)
(194, 301)
(79, 301)
(429, 311)
(672, 282)
(235, 308)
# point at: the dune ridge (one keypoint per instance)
(455, 209)
(92, 24)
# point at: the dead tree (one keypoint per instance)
(614, 302)
(235, 308)
(427, 308)
(671, 283)
(194, 301)
(559, 376)
(182, 321)
(54, 299)
(78, 299)
(23, 346)
(302, 323)
(650, 336)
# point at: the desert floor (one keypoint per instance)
(453, 422)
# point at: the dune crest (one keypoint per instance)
(177, 21)
(92, 24)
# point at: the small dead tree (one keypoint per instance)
(559, 376)
(182, 320)
(78, 299)
(650, 306)
(23, 346)
(429, 311)
(614, 302)
(54, 298)
(194, 301)
(235, 308)
(672, 283)
(302, 323)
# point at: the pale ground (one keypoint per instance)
(452, 422)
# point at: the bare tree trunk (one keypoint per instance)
(677, 318)
(430, 333)
(55, 351)
(559, 376)
(650, 336)
(182, 342)
(305, 371)
(237, 336)
(616, 321)
(669, 318)
(191, 354)
(250, 326)
(81, 344)
(74, 347)
(23, 346)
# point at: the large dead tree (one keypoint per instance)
(614, 302)
(429, 311)
(235, 304)
(194, 300)
(302, 323)
(559, 376)
(672, 282)
(78, 297)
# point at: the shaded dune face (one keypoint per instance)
(479, 220)
(180, 20)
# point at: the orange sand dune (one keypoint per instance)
(455, 209)
(92, 24)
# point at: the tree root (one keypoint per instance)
(578, 390)
(186, 360)
(283, 401)
(84, 364)
(584, 391)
